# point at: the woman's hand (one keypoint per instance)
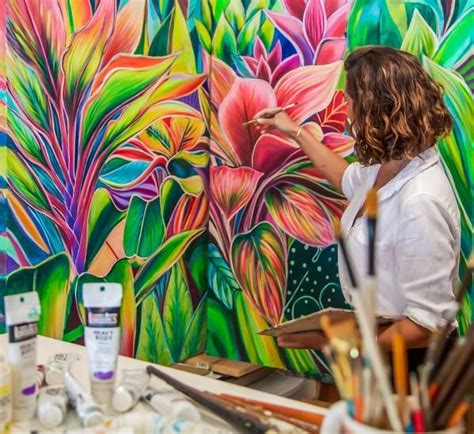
(303, 340)
(274, 118)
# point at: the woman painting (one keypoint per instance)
(395, 115)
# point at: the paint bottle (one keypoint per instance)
(132, 386)
(168, 402)
(102, 302)
(5, 396)
(22, 312)
(52, 406)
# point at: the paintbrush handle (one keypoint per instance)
(370, 343)
(306, 416)
(243, 422)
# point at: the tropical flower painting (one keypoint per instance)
(126, 157)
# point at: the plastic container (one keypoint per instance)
(131, 388)
(52, 406)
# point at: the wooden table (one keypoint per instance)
(47, 347)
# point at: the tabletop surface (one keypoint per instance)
(48, 347)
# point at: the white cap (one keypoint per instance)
(93, 418)
(50, 416)
(122, 400)
(54, 377)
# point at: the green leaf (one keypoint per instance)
(247, 36)
(223, 42)
(160, 44)
(157, 265)
(121, 85)
(23, 181)
(103, 217)
(197, 260)
(177, 311)
(260, 349)
(222, 338)
(195, 337)
(235, 14)
(300, 361)
(180, 42)
(218, 7)
(420, 40)
(267, 32)
(144, 228)
(25, 84)
(50, 279)
(170, 194)
(206, 15)
(152, 345)
(221, 279)
(455, 47)
(121, 273)
(431, 11)
(24, 136)
(376, 22)
(204, 35)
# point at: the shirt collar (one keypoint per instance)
(426, 159)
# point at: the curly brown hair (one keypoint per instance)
(398, 109)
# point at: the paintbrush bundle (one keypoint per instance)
(247, 415)
(436, 399)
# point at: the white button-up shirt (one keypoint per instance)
(417, 239)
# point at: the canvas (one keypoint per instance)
(124, 159)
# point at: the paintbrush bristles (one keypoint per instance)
(371, 203)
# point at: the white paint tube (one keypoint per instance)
(52, 406)
(102, 302)
(130, 389)
(87, 410)
(57, 366)
(22, 313)
(168, 402)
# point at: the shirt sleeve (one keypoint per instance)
(352, 179)
(427, 260)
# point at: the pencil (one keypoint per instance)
(458, 414)
(272, 114)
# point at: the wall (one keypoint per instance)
(110, 106)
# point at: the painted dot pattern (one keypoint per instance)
(314, 283)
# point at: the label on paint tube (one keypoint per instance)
(22, 313)
(102, 303)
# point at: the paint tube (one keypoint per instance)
(149, 423)
(22, 313)
(87, 410)
(167, 401)
(57, 366)
(102, 302)
(131, 388)
(5, 396)
(52, 406)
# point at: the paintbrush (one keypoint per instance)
(458, 396)
(400, 367)
(241, 421)
(438, 342)
(306, 416)
(370, 345)
(370, 284)
(455, 371)
(272, 114)
(308, 427)
(417, 415)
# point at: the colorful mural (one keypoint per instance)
(124, 116)
(106, 144)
